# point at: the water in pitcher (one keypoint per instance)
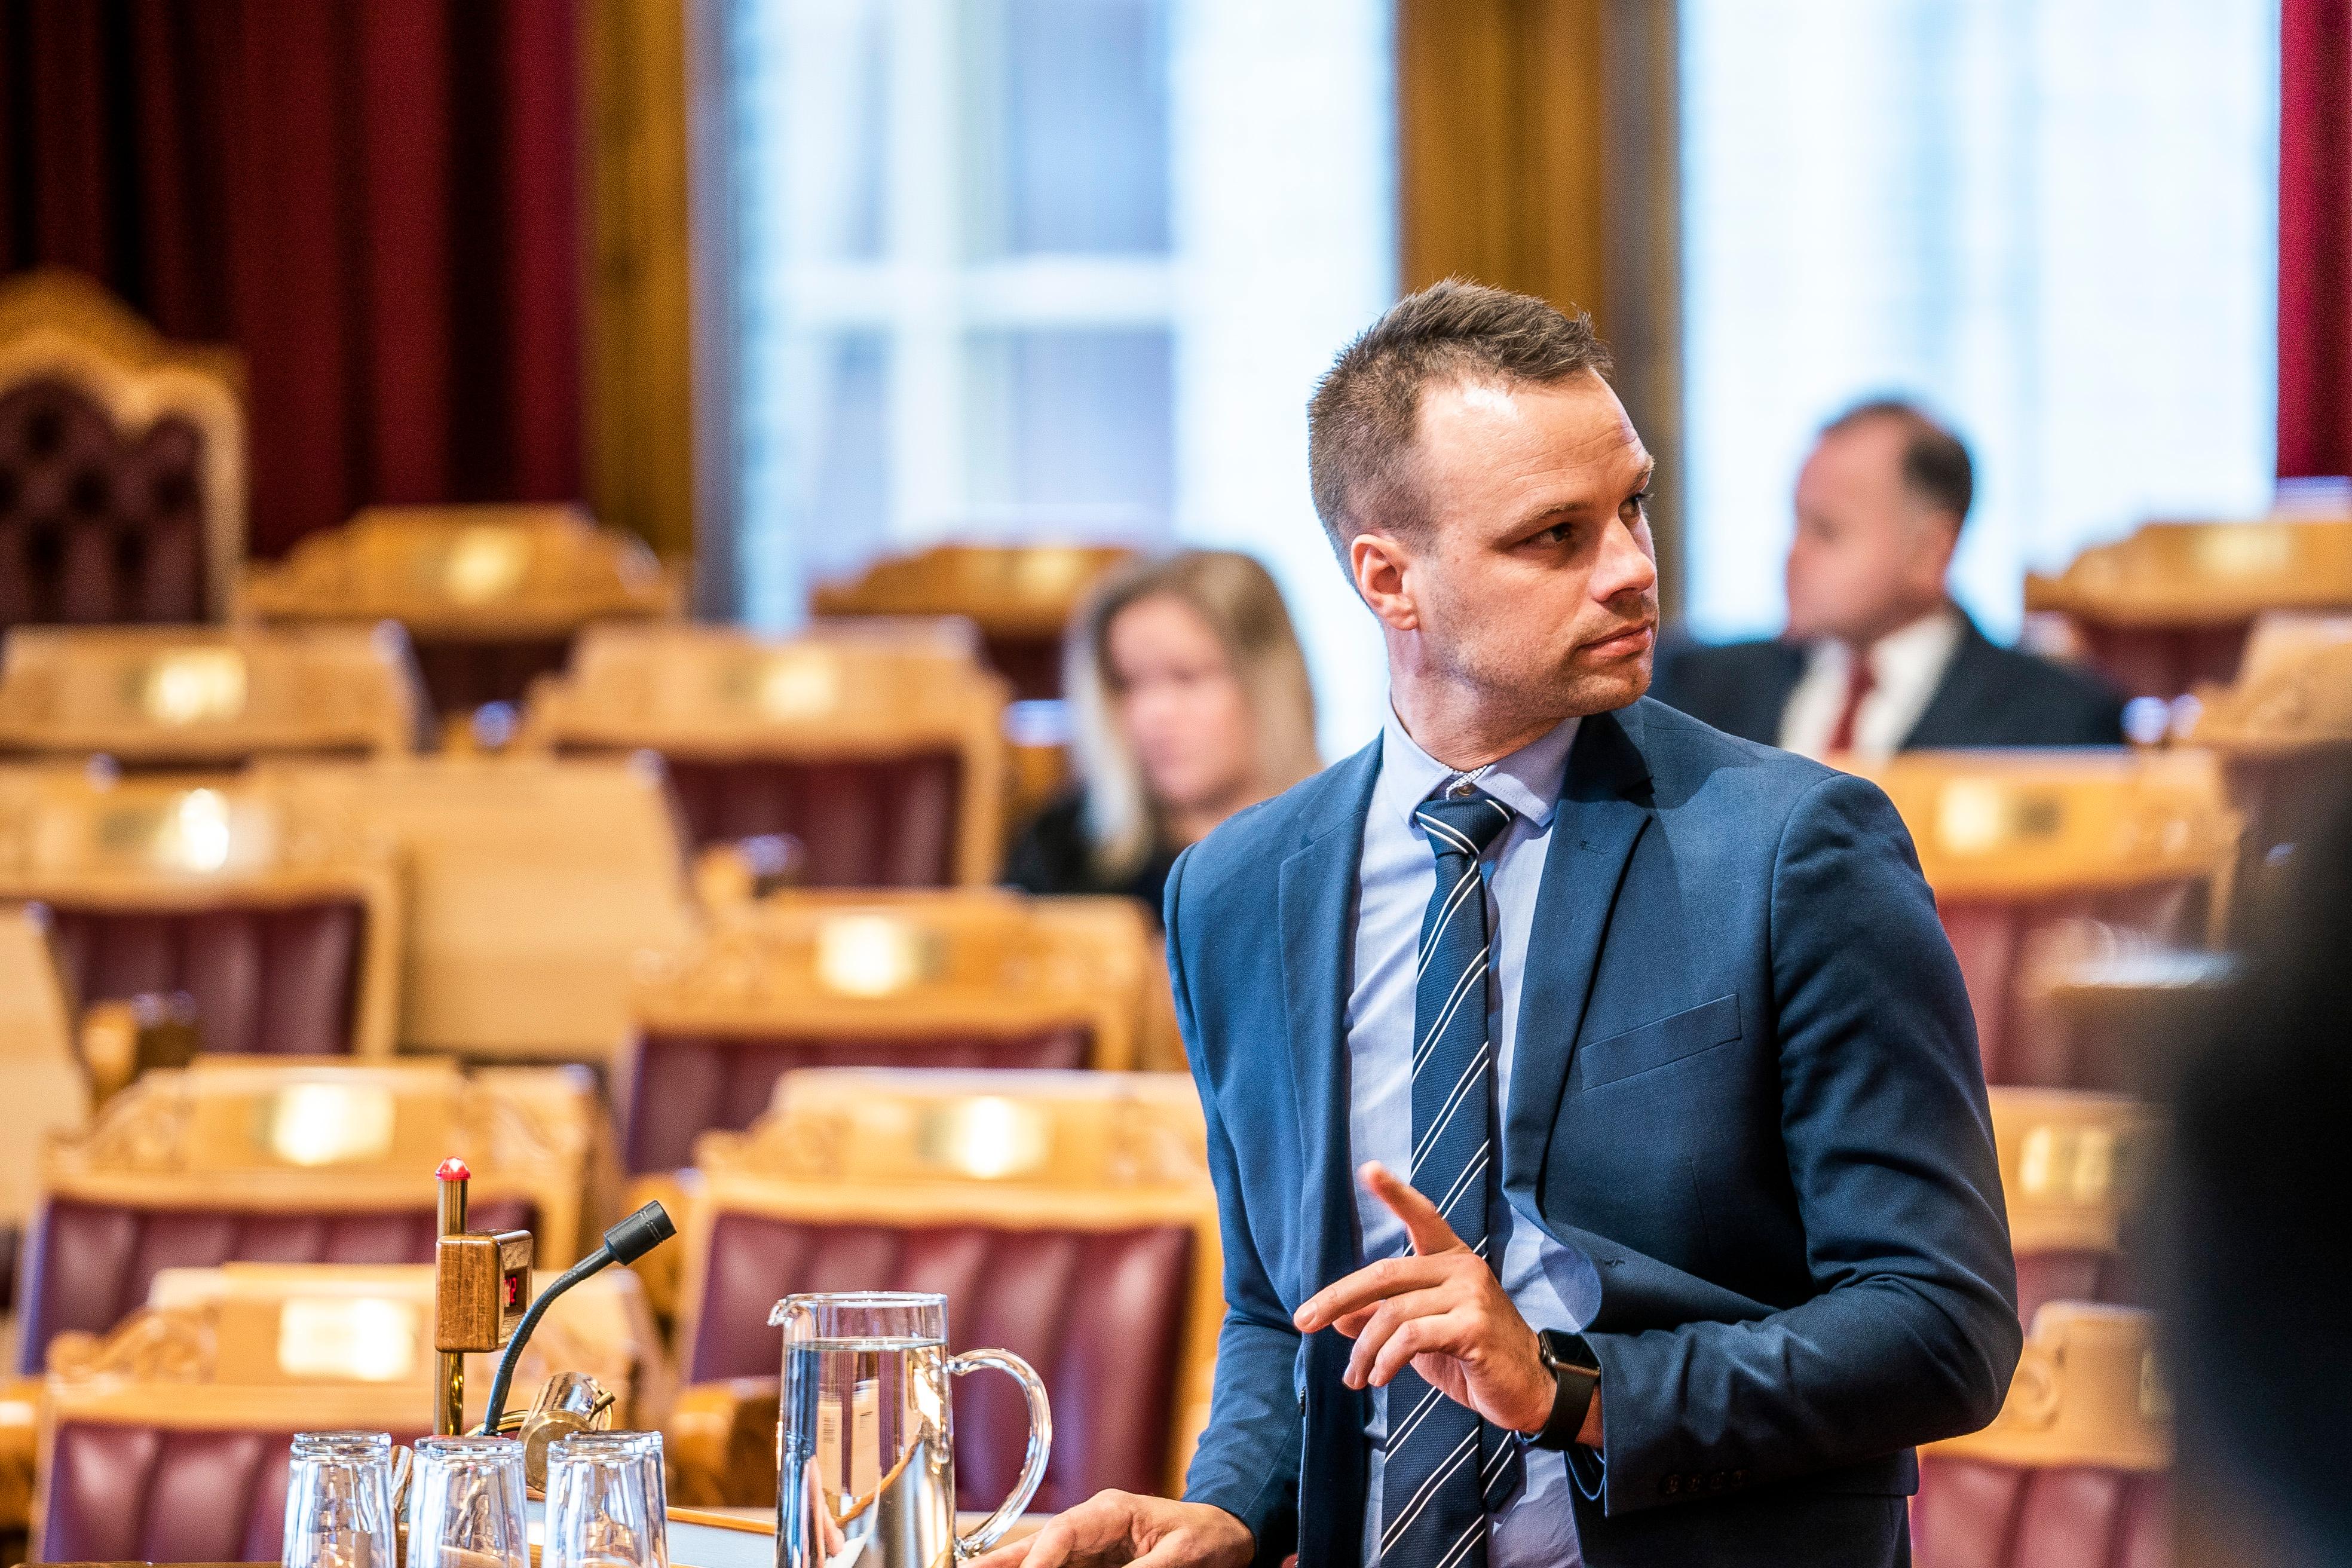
(867, 1477)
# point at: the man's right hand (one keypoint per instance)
(1111, 1530)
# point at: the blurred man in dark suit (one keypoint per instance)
(1876, 657)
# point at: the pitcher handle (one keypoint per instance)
(984, 1534)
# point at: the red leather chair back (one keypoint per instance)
(278, 979)
(1032, 664)
(1974, 1513)
(1100, 1315)
(147, 1494)
(682, 1086)
(89, 1265)
(873, 822)
(95, 528)
(1994, 941)
(461, 675)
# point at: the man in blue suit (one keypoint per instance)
(1592, 1100)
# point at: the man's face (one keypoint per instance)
(1868, 558)
(1535, 583)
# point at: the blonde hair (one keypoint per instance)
(1242, 606)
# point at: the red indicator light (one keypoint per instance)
(514, 1290)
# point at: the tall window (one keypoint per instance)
(2051, 219)
(1028, 270)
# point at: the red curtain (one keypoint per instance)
(2314, 297)
(377, 202)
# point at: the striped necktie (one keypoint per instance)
(1446, 1469)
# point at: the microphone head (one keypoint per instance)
(639, 1234)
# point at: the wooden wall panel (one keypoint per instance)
(1537, 149)
(640, 372)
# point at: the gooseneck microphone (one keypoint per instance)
(624, 1243)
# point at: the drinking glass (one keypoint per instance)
(467, 1507)
(339, 1500)
(604, 1502)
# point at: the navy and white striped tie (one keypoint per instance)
(1446, 1469)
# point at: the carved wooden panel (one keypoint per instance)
(455, 571)
(908, 963)
(2088, 1390)
(203, 694)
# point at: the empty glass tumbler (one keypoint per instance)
(339, 1501)
(604, 1502)
(465, 1504)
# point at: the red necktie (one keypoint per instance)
(1859, 684)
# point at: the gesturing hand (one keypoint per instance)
(1111, 1530)
(1443, 1310)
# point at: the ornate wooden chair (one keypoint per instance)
(2076, 1468)
(2282, 731)
(239, 1160)
(883, 759)
(531, 883)
(2040, 859)
(2172, 605)
(971, 978)
(1067, 1217)
(165, 1439)
(282, 923)
(492, 595)
(2072, 1164)
(196, 698)
(1021, 597)
(121, 463)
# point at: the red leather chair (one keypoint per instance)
(2172, 606)
(282, 921)
(493, 596)
(2040, 859)
(2075, 1470)
(961, 978)
(121, 463)
(166, 1441)
(1067, 1217)
(239, 1160)
(1020, 596)
(883, 759)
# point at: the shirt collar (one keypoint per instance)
(1527, 781)
(1925, 644)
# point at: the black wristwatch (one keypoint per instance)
(1578, 1372)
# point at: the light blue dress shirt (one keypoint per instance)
(1552, 1286)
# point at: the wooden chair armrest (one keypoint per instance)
(721, 1442)
(20, 1409)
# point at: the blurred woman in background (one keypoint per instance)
(1188, 700)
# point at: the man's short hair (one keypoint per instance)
(1366, 411)
(1936, 466)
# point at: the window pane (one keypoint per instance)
(2054, 222)
(816, 88)
(1071, 428)
(1071, 121)
(816, 494)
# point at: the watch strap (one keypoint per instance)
(1577, 1374)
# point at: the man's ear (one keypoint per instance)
(1382, 567)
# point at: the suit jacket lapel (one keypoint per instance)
(1957, 692)
(1317, 886)
(1604, 805)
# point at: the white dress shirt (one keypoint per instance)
(1553, 1287)
(1906, 667)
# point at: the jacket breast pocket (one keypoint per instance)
(1654, 1044)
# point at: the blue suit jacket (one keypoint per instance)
(1747, 1087)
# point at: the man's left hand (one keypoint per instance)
(1443, 1310)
